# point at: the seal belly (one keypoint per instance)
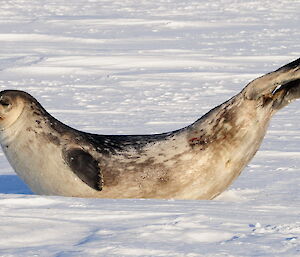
(45, 173)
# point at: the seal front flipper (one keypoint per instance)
(85, 166)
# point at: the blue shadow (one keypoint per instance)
(12, 184)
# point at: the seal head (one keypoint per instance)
(36, 144)
(11, 107)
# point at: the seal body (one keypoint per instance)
(196, 162)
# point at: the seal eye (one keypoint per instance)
(4, 102)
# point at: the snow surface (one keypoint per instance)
(136, 67)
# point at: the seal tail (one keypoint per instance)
(268, 83)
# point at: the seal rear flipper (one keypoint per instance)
(85, 167)
(268, 83)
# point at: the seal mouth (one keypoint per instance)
(3, 104)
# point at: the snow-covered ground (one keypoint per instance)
(139, 66)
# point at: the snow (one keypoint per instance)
(136, 67)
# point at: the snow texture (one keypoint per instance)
(136, 67)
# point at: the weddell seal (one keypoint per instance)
(196, 162)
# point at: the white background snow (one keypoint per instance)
(136, 67)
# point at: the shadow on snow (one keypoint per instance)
(12, 184)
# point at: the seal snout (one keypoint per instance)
(11, 106)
